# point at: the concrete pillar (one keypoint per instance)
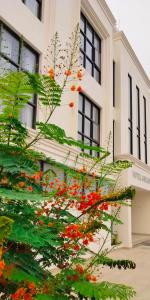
(125, 230)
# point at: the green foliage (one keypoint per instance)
(5, 228)
(49, 91)
(53, 132)
(46, 297)
(15, 92)
(103, 290)
(34, 211)
(119, 263)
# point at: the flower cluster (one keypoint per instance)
(2, 267)
(25, 293)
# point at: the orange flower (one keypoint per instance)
(79, 269)
(79, 89)
(79, 75)
(30, 188)
(2, 264)
(68, 73)
(73, 88)
(51, 73)
(4, 181)
(71, 104)
(88, 276)
(31, 285)
(50, 224)
(94, 278)
(21, 184)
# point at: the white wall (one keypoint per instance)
(141, 213)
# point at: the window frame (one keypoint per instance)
(114, 82)
(84, 51)
(92, 122)
(113, 140)
(39, 16)
(138, 125)
(130, 115)
(18, 65)
(145, 128)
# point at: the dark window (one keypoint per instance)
(113, 140)
(130, 125)
(138, 127)
(90, 49)
(17, 55)
(114, 82)
(88, 123)
(145, 129)
(35, 7)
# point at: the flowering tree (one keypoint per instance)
(47, 225)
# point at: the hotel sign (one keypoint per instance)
(141, 178)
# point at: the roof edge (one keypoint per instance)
(108, 12)
(120, 35)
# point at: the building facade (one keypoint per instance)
(116, 89)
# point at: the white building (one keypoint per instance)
(116, 88)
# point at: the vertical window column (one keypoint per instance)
(88, 123)
(138, 126)
(113, 140)
(130, 123)
(17, 55)
(145, 129)
(114, 82)
(90, 49)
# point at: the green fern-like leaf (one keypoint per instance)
(104, 290)
(5, 227)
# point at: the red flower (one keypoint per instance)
(76, 248)
(79, 269)
(79, 75)
(68, 73)
(71, 104)
(73, 88)
(30, 188)
(79, 89)
(86, 242)
(21, 184)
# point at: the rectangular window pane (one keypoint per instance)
(80, 123)
(28, 60)
(95, 114)
(89, 33)
(87, 142)
(33, 5)
(97, 43)
(89, 66)
(97, 58)
(89, 50)
(27, 115)
(82, 24)
(95, 132)
(82, 39)
(96, 75)
(94, 153)
(87, 108)
(6, 66)
(10, 46)
(87, 127)
(80, 103)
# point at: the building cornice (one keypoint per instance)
(107, 12)
(136, 162)
(121, 36)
